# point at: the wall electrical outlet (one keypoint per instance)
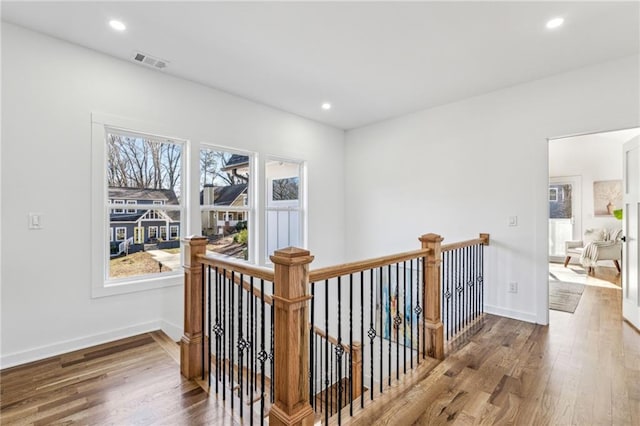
(513, 287)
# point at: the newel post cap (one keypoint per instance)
(291, 256)
(195, 240)
(431, 238)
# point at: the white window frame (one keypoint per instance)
(129, 202)
(101, 285)
(299, 205)
(553, 191)
(163, 231)
(248, 209)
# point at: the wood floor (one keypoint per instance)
(583, 369)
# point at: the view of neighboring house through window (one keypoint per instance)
(225, 209)
(284, 218)
(145, 174)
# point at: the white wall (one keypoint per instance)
(593, 157)
(49, 90)
(464, 168)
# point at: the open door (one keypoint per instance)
(630, 225)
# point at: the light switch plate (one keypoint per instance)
(513, 220)
(35, 220)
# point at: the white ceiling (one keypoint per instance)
(372, 61)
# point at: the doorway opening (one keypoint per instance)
(585, 197)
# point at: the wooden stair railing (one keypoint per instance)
(290, 305)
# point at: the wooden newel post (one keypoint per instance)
(291, 338)
(432, 291)
(192, 340)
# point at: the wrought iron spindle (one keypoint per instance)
(424, 304)
(271, 356)
(350, 344)
(381, 331)
(209, 325)
(404, 314)
(240, 344)
(252, 376)
(361, 337)
(311, 341)
(389, 319)
(203, 316)
(411, 311)
(339, 350)
(326, 352)
(371, 332)
(397, 321)
(262, 355)
(231, 325)
(225, 310)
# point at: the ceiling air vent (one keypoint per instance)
(149, 60)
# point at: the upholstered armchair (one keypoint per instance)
(597, 244)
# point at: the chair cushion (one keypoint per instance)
(591, 235)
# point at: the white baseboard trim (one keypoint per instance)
(172, 330)
(509, 313)
(42, 352)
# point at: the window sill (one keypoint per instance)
(149, 282)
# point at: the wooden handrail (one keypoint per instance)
(363, 265)
(334, 341)
(244, 268)
(484, 240)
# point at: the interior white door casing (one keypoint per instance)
(631, 225)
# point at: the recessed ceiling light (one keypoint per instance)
(326, 106)
(117, 25)
(555, 23)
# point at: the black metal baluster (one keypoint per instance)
(449, 300)
(482, 279)
(326, 352)
(240, 345)
(231, 325)
(311, 341)
(209, 324)
(389, 322)
(398, 321)
(371, 332)
(468, 285)
(262, 355)
(217, 327)
(331, 377)
(404, 315)
(203, 316)
(271, 355)
(381, 332)
(350, 365)
(321, 376)
(252, 301)
(225, 328)
(361, 338)
(424, 306)
(411, 312)
(472, 290)
(339, 350)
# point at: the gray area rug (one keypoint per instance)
(564, 296)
